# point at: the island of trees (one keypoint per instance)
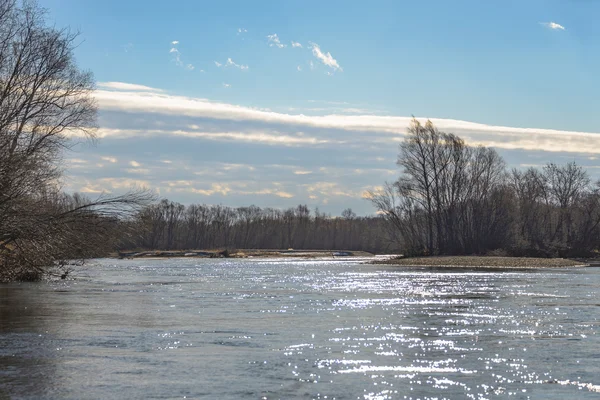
(450, 198)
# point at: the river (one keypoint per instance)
(290, 328)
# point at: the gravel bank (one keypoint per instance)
(483, 262)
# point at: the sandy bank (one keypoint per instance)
(248, 253)
(483, 262)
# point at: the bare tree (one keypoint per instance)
(46, 105)
(462, 201)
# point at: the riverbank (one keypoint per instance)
(246, 253)
(483, 262)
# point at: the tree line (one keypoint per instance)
(169, 225)
(452, 198)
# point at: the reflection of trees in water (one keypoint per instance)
(54, 341)
(27, 362)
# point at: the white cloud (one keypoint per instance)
(328, 189)
(109, 159)
(177, 57)
(141, 171)
(215, 188)
(242, 30)
(135, 164)
(218, 64)
(299, 68)
(92, 188)
(246, 136)
(107, 185)
(376, 129)
(325, 58)
(274, 41)
(231, 63)
(296, 44)
(226, 85)
(122, 183)
(311, 65)
(275, 192)
(127, 86)
(553, 25)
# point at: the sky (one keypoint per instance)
(279, 103)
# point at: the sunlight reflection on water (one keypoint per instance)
(281, 328)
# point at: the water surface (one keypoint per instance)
(287, 328)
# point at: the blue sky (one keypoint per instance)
(284, 102)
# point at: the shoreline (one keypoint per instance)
(483, 262)
(441, 262)
(246, 253)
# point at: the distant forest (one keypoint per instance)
(172, 226)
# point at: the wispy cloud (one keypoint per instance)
(553, 26)
(135, 164)
(299, 68)
(341, 129)
(128, 47)
(127, 87)
(296, 44)
(109, 159)
(215, 188)
(107, 185)
(242, 136)
(231, 63)
(177, 57)
(140, 171)
(226, 85)
(328, 189)
(242, 30)
(325, 58)
(274, 41)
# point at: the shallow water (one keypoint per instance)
(282, 329)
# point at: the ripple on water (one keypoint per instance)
(301, 329)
